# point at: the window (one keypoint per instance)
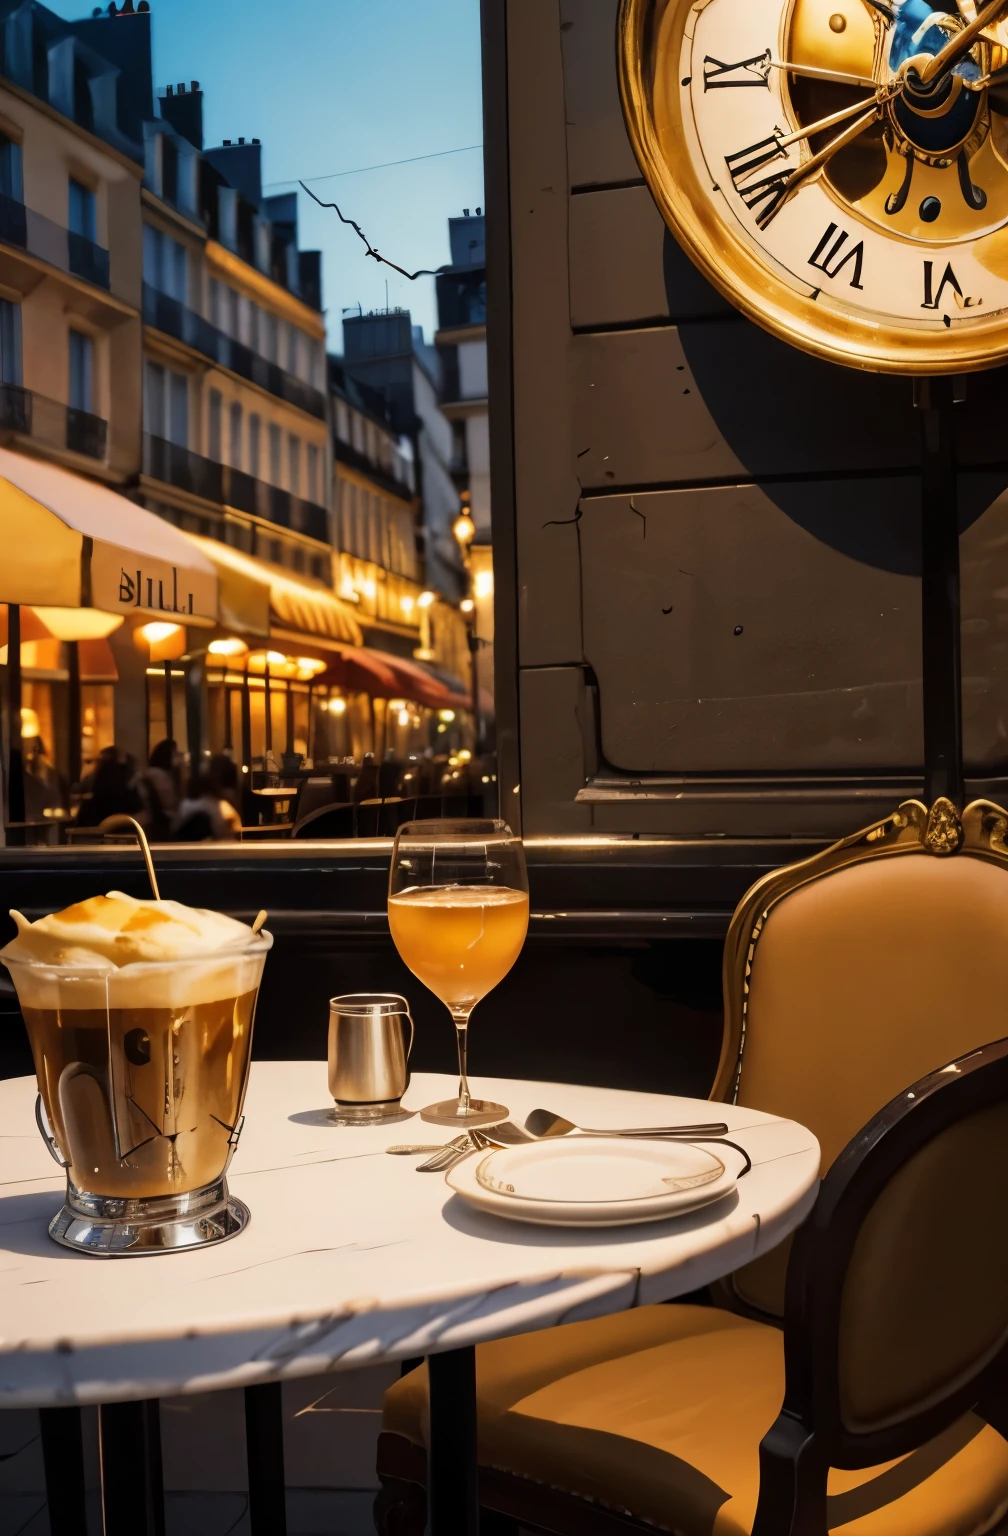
(231, 304)
(268, 336)
(313, 475)
(216, 315)
(11, 183)
(154, 400)
(274, 454)
(166, 404)
(214, 426)
(253, 317)
(81, 371)
(254, 428)
(176, 274)
(10, 342)
(342, 422)
(236, 435)
(178, 417)
(293, 349)
(82, 210)
(294, 464)
(165, 263)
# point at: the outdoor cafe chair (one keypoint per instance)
(846, 976)
(329, 821)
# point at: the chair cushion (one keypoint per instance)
(658, 1413)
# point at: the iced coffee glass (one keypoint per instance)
(140, 1017)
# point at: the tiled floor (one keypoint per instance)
(330, 1427)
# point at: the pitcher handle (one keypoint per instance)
(412, 1031)
(233, 1137)
(46, 1133)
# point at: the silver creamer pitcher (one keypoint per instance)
(368, 1055)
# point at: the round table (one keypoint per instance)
(351, 1257)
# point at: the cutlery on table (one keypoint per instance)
(542, 1123)
(415, 1148)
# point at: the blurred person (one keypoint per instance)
(111, 791)
(44, 787)
(158, 788)
(201, 815)
(366, 787)
(223, 774)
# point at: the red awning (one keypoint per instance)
(359, 669)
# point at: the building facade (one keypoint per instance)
(387, 352)
(462, 351)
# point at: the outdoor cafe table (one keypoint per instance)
(351, 1258)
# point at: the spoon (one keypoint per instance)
(544, 1123)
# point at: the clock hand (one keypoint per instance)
(883, 94)
(809, 167)
(813, 72)
(960, 44)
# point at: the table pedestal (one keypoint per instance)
(452, 1467)
(129, 1442)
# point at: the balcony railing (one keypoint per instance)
(166, 314)
(233, 488)
(346, 453)
(48, 421)
(39, 236)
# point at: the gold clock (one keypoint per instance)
(837, 168)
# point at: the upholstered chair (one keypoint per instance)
(846, 976)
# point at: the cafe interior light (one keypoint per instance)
(484, 584)
(337, 706)
(231, 645)
(79, 623)
(446, 716)
(310, 666)
(425, 599)
(407, 604)
(369, 588)
(165, 642)
(464, 530)
(404, 717)
(29, 724)
(467, 605)
(465, 756)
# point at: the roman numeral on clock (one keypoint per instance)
(717, 75)
(830, 257)
(933, 300)
(766, 194)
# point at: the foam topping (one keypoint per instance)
(120, 930)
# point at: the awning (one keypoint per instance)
(243, 591)
(69, 542)
(361, 671)
(307, 607)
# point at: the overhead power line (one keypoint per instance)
(371, 251)
(384, 165)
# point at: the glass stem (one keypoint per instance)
(462, 1033)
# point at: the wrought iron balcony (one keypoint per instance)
(39, 236)
(28, 414)
(166, 314)
(229, 487)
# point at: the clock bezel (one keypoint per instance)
(731, 265)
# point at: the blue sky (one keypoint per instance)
(334, 85)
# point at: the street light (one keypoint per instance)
(464, 530)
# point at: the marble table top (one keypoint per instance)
(351, 1257)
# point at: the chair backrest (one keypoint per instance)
(859, 970)
(328, 821)
(896, 1321)
(316, 792)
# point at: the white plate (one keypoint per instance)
(596, 1181)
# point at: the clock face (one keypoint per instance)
(837, 168)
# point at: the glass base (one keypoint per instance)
(113, 1227)
(480, 1112)
(370, 1114)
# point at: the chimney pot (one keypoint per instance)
(465, 213)
(181, 87)
(194, 85)
(169, 90)
(227, 143)
(257, 141)
(241, 141)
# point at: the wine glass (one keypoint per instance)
(458, 909)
